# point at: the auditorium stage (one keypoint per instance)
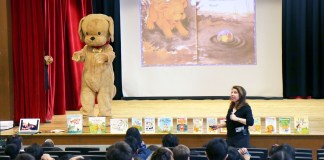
(312, 108)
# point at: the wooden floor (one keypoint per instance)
(312, 108)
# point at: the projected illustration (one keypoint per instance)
(226, 32)
(202, 32)
(169, 32)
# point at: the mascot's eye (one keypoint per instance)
(86, 33)
(99, 33)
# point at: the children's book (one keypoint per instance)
(74, 123)
(149, 125)
(118, 125)
(284, 125)
(165, 125)
(301, 125)
(256, 128)
(270, 125)
(211, 121)
(97, 125)
(182, 125)
(198, 125)
(137, 123)
(223, 129)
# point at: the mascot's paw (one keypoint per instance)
(76, 56)
(101, 58)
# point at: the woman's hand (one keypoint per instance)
(233, 117)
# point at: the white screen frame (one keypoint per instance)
(261, 80)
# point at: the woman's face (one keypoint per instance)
(235, 96)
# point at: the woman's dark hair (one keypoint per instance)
(134, 132)
(242, 101)
(170, 140)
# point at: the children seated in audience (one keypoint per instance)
(245, 153)
(25, 156)
(134, 139)
(217, 149)
(170, 140)
(281, 155)
(46, 156)
(238, 154)
(35, 150)
(162, 153)
(134, 132)
(14, 139)
(119, 151)
(153, 147)
(181, 152)
(48, 143)
(285, 148)
(11, 150)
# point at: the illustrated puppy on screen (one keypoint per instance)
(167, 15)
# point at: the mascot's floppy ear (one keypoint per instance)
(81, 35)
(111, 28)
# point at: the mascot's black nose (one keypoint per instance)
(92, 38)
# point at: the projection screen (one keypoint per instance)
(162, 73)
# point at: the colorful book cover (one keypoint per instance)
(211, 121)
(301, 125)
(137, 123)
(256, 128)
(270, 125)
(74, 123)
(198, 125)
(97, 125)
(284, 125)
(149, 125)
(165, 125)
(223, 129)
(118, 125)
(182, 125)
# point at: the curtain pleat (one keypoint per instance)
(303, 53)
(28, 47)
(46, 27)
(62, 20)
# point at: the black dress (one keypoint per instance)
(238, 135)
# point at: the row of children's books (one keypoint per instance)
(281, 125)
(149, 125)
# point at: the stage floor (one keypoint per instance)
(313, 108)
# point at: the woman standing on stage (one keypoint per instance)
(238, 119)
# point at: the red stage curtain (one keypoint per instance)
(56, 34)
(28, 59)
(61, 28)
